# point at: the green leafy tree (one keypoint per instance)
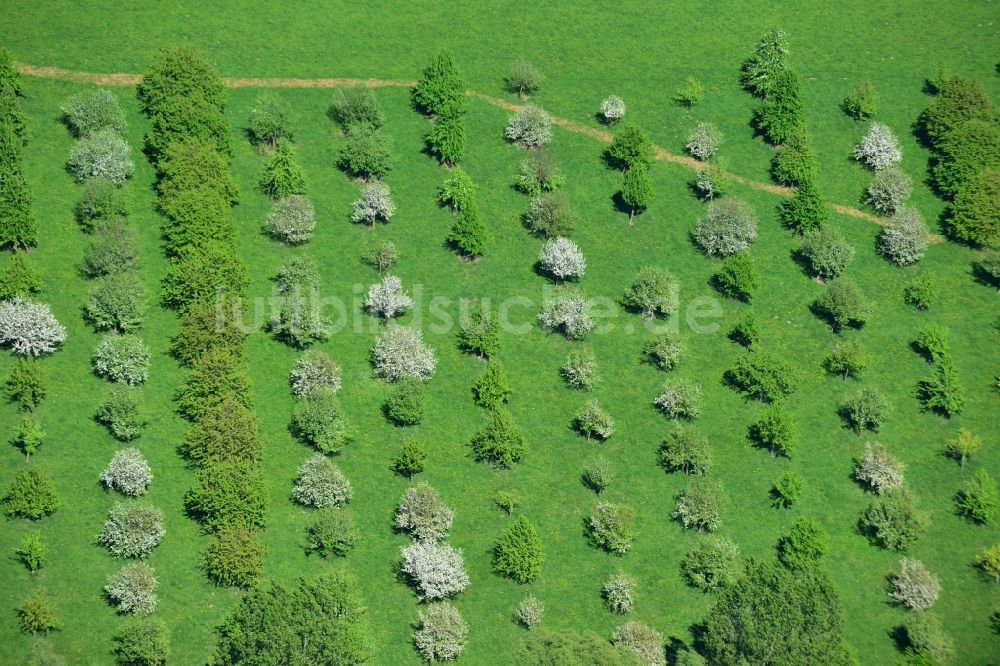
(762, 376)
(979, 501)
(631, 148)
(31, 494)
(593, 421)
(32, 551)
(746, 331)
(943, 393)
(332, 532)
(228, 494)
(500, 442)
(235, 557)
(598, 474)
(481, 335)
(847, 358)
(441, 88)
(776, 430)
(805, 211)
(892, 520)
(492, 389)
(468, 233)
(446, 139)
(862, 102)
(690, 92)
(269, 122)
(843, 304)
(142, 642)
(975, 213)
(27, 384)
(523, 78)
(320, 421)
(957, 100)
(356, 107)
(411, 459)
(787, 489)
(518, 553)
(18, 226)
(964, 445)
(988, 562)
(712, 564)
(612, 527)
(922, 292)
(781, 112)
(932, 343)
(36, 614)
(759, 72)
(737, 277)
(458, 191)
(795, 162)
(805, 544)
(405, 404)
(773, 615)
(637, 190)
(826, 251)
(685, 450)
(653, 292)
(28, 436)
(963, 153)
(19, 278)
(367, 153)
(865, 410)
(282, 176)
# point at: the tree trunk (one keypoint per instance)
(631, 214)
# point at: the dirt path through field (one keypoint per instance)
(123, 79)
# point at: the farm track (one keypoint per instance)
(125, 79)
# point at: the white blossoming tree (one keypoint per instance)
(613, 109)
(569, 313)
(128, 473)
(878, 469)
(29, 328)
(914, 586)
(703, 141)
(104, 154)
(878, 149)
(320, 484)
(441, 634)
(375, 204)
(400, 352)
(531, 127)
(562, 259)
(436, 570)
(386, 299)
(423, 514)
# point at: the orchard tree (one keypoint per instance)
(529, 612)
(698, 505)
(121, 358)
(690, 92)
(446, 139)
(769, 58)
(795, 162)
(133, 589)
(411, 459)
(865, 410)
(712, 564)
(762, 376)
(862, 102)
(481, 334)
(269, 122)
(805, 211)
(892, 520)
(441, 88)
(943, 393)
(781, 112)
(117, 303)
(703, 141)
(355, 107)
(423, 514)
(653, 292)
(580, 370)
(35, 614)
(518, 552)
(319, 420)
(128, 473)
(457, 192)
(612, 527)
(878, 470)
(988, 562)
(685, 450)
(637, 190)
(530, 127)
(598, 474)
(32, 551)
(500, 442)
(28, 436)
(737, 277)
(728, 227)
(405, 404)
(979, 500)
(746, 331)
(539, 173)
(27, 384)
(776, 430)
(567, 312)
(441, 633)
(922, 292)
(282, 176)
(562, 259)
(523, 78)
(787, 489)
(143, 642)
(826, 251)
(914, 586)
(320, 483)
(903, 240)
(988, 267)
(386, 299)
(932, 343)
(593, 421)
(963, 445)
(112, 249)
(889, 190)
(664, 351)
(843, 304)
(400, 352)
(804, 546)
(366, 154)
(103, 155)
(680, 399)
(619, 593)
(291, 220)
(550, 215)
(19, 278)
(331, 532)
(31, 495)
(640, 642)
(382, 256)
(437, 571)
(468, 234)
(847, 358)
(878, 149)
(492, 389)
(29, 328)
(612, 109)
(132, 529)
(631, 148)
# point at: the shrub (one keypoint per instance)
(759, 70)
(19, 278)
(979, 501)
(291, 220)
(133, 589)
(843, 304)
(132, 529)
(612, 109)
(87, 113)
(319, 420)
(932, 343)
(914, 586)
(382, 256)
(878, 149)
(29, 328)
(441, 88)
(826, 251)
(436, 570)
(664, 351)
(423, 514)
(567, 312)
(298, 273)
(468, 234)
(713, 563)
(593, 421)
(685, 450)
(410, 460)
(400, 352)
(619, 593)
(849, 357)
(458, 191)
(631, 148)
(776, 430)
(943, 393)
(367, 153)
(492, 390)
(690, 93)
(698, 506)
(26, 384)
(878, 470)
(780, 114)
(612, 527)
(805, 544)
(681, 399)
(730, 226)
(441, 634)
(903, 240)
(975, 213)
(762, 376)
(331, 532)
(646, 642)
(355, 107)
(539, 173)
(375, 205)
(988, 267)
(117, 303)
(531, 127)
(562, 259)
(269, 122)
(226, 432)
(703, 141)
(218, 373)
(506, 501)
(737, 277)
(889, 190)
(105, 154)
(122, 358)
(862, 102)
(32, 551)
(922, 292)
(386, 299)
(958, 100)
(128, 473)
(228, 493)
(926, 640)
(518, 552)
(143, 642)
(892, 520)
(197, 276)
(988, 561)
(481, 334)
(446, 139)
(787, 489)
(112, 249)
(31, 495)
(598, 474)
(963, 445)
(963, 153)
(500, 442)
(36, 613)
(314, 370)
(805, 211)
(405, 404)
(523, 78)
(653, 292)
(795, 161)
(746, 331)
(529, 612)
(580, 370)
(235, 557)
(550, 215)
(865, 410)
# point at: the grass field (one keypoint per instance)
(642, 56)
